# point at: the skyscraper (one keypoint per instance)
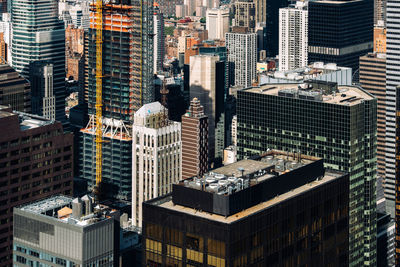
(392, 80)
(336, 123)
(159, 37)
(245, 15)
(217, 22)
(373, 80)
(252, 213)
(35, 161)
(194, 141)
(242, 57)
(267, 11)
(43, 99)
(127, 84)
(293, 34)
(340, 31)
(207, 84)
(38, 34)
(156, 156)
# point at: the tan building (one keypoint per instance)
(245, 15)
(3, 49)
(373, 79)
(194, 141)
(380, 40)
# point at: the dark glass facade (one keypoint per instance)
(308, 229)
(343, 135)
(340, 31)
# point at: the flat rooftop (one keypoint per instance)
(64, 209)
(168, 204)
(26, 121)
(345, 95)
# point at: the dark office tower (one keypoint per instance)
(38, 34)
(275, 210)
(336, 123)
(385, 240)
(15, 91)
(41, 75)
(373, 80)
(267, 11)
(35, 162)
(340, 31)
(127, 85)
(194, 141)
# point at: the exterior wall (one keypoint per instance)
(373, 79)
(58, 242)
(15, 91)
(302, 230)
(242, 57)
(379, 40)
(34, 163)
(159, 38)
(314, 131)
(217, 22)
(156, 161)
(293, 34)
(245, 15)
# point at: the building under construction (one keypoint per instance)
(127, 84)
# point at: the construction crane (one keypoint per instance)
(99, 96)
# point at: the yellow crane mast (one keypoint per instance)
(99, 92)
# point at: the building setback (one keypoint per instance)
(336, 123)
(266, 215)
(15, 91)
(35, 162)
(194, 141)
(156, 156)
(61, 231)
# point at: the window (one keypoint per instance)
(20, 259)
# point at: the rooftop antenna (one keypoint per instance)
(164, 98)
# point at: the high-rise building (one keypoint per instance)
(379, 39)
(156, 156)
(39, 35)
(254, 212)
(5, 28)
(3, 49)
(340, 31)
(15, 91)
(207, 84)
(385, 240)
(373, 80)
(62, 231)
(43, 99)
(159, 40)
(336, 123)
(380, 11)
(293, 34)
(127, 84)
(397, 170)
(267, 13)
(392, 80)
(35, 162)
(194, 141)
(242, 57)
(217, 22)
(74, 12)
(245, 15)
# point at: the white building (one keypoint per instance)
(159, 38)
(6, 28)
(293, 32)
(156, 156)
(242, 57)
(217, 22)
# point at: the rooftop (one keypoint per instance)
(167, 202)
(74, 211)
(26, 121)
(316, 91)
